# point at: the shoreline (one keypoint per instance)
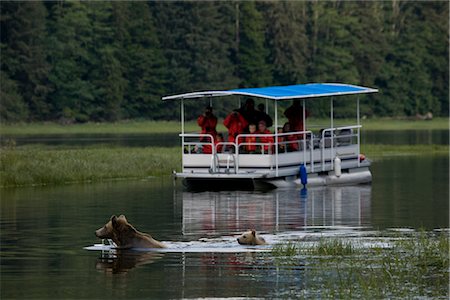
(52, 165)
(161, 127)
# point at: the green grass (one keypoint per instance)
(412, 267)
(402, 124)
(125, 127)
(47, 165)
(141, 127)
(380, 150)
(42, 165)
(383, 124)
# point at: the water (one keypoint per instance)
(44, 230)
(397, 137)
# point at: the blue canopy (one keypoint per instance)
(299, 91)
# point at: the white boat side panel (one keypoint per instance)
(197, 160)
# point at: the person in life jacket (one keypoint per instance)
(262, 116)
(217, 143)
(292, 139)
(250, 146)
(266, 139)
(248, 111)
(236, 124)
(294, 114)
(281, 141)
(208, 122)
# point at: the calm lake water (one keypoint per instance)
(44, 230)
(397, 137)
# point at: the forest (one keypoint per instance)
(83, 61)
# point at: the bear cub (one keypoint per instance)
(250, 237)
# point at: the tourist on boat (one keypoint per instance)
(217, 141)
(294, 113)
(266, 139)
(236, 124)
(250, 141)
(281, 141)
(263, 116)
(292, 139)
(248, 111)
(207, 121)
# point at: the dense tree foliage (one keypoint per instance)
(104, 61)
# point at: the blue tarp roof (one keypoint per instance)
(299, 91)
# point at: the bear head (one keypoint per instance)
(250, 238)
(115, 229)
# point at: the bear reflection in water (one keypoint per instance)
(121, 261)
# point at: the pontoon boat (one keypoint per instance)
(326, 158)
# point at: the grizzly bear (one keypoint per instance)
(250, 237)
(125, 235)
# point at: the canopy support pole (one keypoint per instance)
(304, 129)
(359, 129)
(332, 132)
(182, 132)
(276, 137)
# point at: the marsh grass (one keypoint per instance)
(124, 127)
(380, 150)
(42, 165)
(39, 165)
(412, 267)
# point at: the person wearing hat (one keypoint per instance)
(208, 122)
(263, 116)
(249, 112)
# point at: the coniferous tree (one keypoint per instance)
(104, 61)
(107, 70)
(287, 41)
(24, 57)
(70, 54)
(145, 66)
(252, 56)
(12, 106)
(333, 56)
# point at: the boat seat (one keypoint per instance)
(344, 137)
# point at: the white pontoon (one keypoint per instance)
(331, 157)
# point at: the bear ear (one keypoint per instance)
(253, 232)
(122, 217)
(114, 220)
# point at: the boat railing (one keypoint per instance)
(297, 142)
(336, 137)
(304, 142)
(194, 143)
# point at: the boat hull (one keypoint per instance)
(359, 175)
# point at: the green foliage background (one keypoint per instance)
(73, 61)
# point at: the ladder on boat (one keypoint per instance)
(216, 163)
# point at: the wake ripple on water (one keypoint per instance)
(356, 236)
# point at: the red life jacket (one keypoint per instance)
(252, 147)
(208, 125)
(236, 124)
(267, 140)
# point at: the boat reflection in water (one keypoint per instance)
(280, 210)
